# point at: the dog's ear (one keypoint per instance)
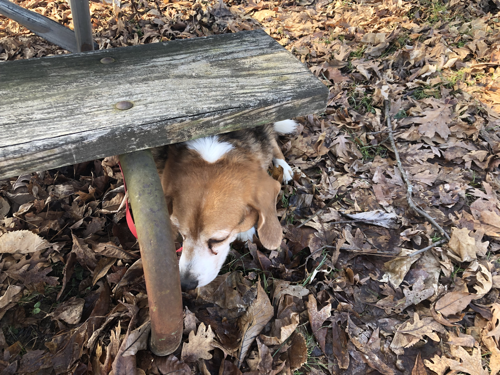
(268, 225)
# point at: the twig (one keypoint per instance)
(426, 248)
(409, 186)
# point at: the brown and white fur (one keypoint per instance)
(217, 188)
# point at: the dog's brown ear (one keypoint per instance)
(268, 225)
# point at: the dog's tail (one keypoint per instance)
(285, 126)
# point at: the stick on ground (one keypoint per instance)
(409, 186)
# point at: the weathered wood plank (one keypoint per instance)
(61, 110)
(40, 25)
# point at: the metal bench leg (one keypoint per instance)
(161, 270)
(82, 25)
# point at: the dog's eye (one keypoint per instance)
(212, 242)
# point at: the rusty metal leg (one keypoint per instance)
(161, 270)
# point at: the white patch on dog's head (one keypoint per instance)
(210, 148)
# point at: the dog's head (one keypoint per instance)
(211, 203)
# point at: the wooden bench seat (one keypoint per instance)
(62, 110)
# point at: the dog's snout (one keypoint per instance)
(188, 283)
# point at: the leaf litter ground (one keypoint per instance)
(343, 294)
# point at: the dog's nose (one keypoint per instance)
(188, 283)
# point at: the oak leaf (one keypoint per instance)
(435, 121)
(199, 345)
(494, 324)
(408, 334)
(470, 364)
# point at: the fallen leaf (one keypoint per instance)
(4, 207)
(281, 330)
(408, 334)
(297, 353)
(462, 244)
(419, 368)
(69, 311)
(339, 345)
(253, 321)
(453, 303)
(137, 339)
(199, 345)
(470, 364)
(282, 287)
(22, 242)
(317, 318)
(84, 255)
(396, 269)
(102, 268)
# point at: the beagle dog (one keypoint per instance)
(218, 189)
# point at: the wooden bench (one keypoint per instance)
(62, 110)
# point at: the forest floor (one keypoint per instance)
(348, 292)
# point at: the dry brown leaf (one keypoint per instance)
(102, 268)
(419, 368)
(491, 345)
(265, 364)
(453, 303)
(22, 242)
(484, 281)
(137, 339)
(282, 329)
(396, 269)
(69, 311)
(462, 340)
(253, 321)
(297, 353)
(199, 345)
(494, 324)
(339, 345)
(317, 318)
(470, 364)
(462, 244)
(8, 297)
(282, 287)
(408, 334)
(435, 121)
(84, 255)
(261, 15)
(4, 207)
(190, 321)
(438, 364)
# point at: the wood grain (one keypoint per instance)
(60, 110)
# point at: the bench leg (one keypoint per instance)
(156, 241)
